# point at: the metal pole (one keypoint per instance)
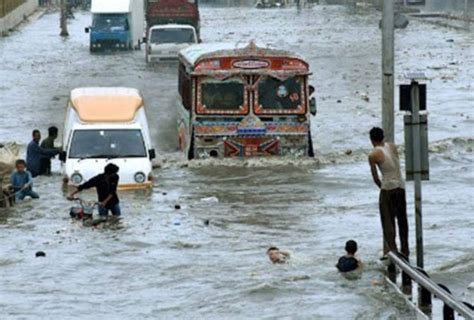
(432, 287)
(63, 19)
(415, 96)
(388, 85)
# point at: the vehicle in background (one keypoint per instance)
(165, 41)
(261, 4)
(116, 24)
(171, 12)
(107, 125)
(243, 101)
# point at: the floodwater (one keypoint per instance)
(166, 263)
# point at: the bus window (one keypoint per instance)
(275, 94)
(222, 95)
(185, 87)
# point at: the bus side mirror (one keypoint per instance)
(152, 154)
(62, 156)
(144, 40)
(312, 106)
(87, 30)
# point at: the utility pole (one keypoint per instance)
(63, 19)
(388, 84)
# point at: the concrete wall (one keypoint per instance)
(12, 19)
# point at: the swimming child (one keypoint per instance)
(349, 262)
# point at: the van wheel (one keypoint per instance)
(191, 148)
(310, 145)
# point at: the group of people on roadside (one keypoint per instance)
(38, 162)
(384, 161)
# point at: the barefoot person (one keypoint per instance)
(106, 185)
(392, 202)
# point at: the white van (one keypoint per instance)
(107, 125)
(165, 41)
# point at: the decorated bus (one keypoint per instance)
(243, 101)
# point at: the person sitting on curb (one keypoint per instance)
(22, 182)
(278, 256)
(349, 262)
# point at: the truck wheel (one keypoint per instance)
(310, 145)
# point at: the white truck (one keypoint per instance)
(165, 41)
(116, 24)
(107, 125)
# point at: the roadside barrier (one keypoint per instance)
(428, 288)
(7, 6)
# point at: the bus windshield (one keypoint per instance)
(110, 22)
(168, 35)
(107, 144)
(275, 94)
(222, 95)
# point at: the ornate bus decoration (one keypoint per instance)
(243, 101)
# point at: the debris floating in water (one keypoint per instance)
(177, 206)
(40, 254)
(210, 200)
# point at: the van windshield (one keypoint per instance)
(107, 144)
(110, 22)
(178, 35)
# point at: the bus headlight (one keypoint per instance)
(139, 177)
(76, 178)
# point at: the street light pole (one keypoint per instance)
(63, 19)
(388, 84)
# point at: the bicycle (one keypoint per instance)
(85, 212)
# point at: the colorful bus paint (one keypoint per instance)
(243, 101)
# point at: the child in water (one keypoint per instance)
(349, 262)
(278, 256)
(22, 182)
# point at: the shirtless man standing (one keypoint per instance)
(392, 201)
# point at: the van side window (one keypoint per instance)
(185, 87)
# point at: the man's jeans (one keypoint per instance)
(116, 212)
(22, 194)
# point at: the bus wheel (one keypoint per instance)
(310, 145)
(191, 148)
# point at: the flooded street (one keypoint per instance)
(167, 263)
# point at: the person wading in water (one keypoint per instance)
(106, 185)
(392, 201)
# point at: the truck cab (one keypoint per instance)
(116, 25)
(165, 41)
(107, 125)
